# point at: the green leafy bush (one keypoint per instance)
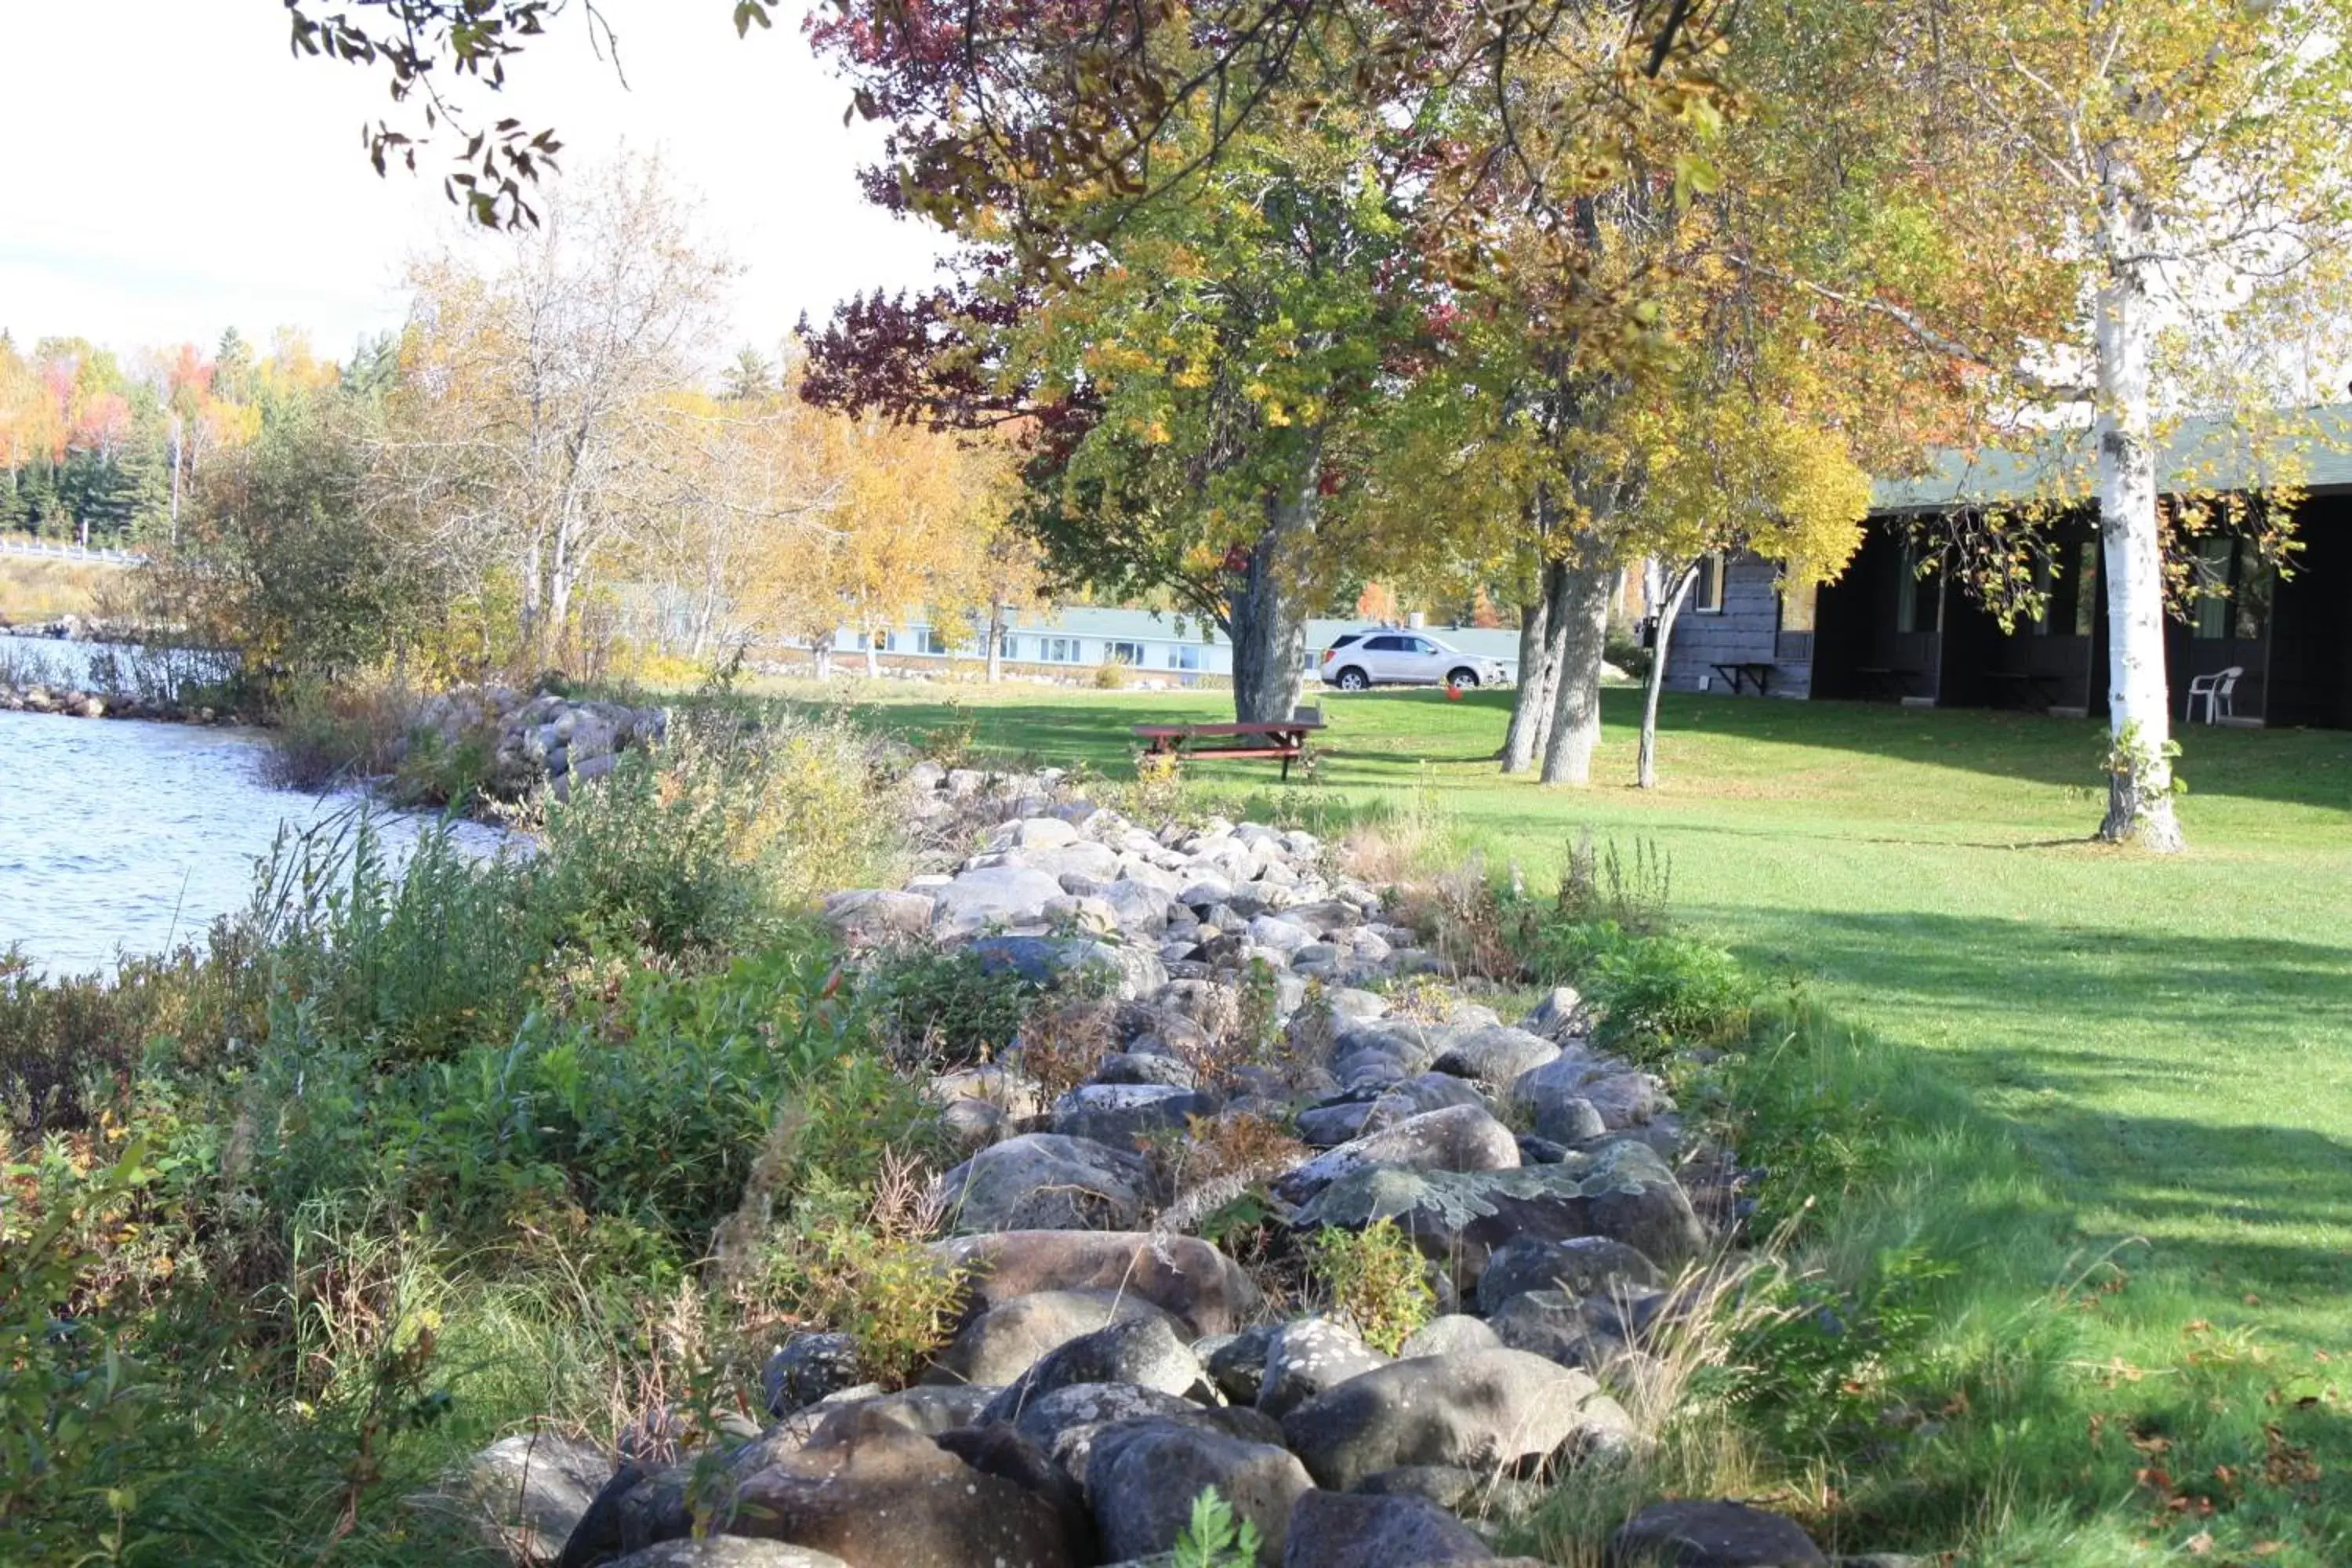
(1649, 993)
(1377, 1279)
(945, 1004)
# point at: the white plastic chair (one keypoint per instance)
(2215, 688)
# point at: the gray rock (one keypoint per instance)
(1582, 1265)
(1328, 1126)
(995, 1348)
(1236, 1363)
(869, 915)
(1119, 1113)
(1144, 1352)
(727, 1552)
(1460, 1137)
(1548, 1323)
(1281, 935)
(1311, 1356)
(1627, 1099)
(1143, 1067)
(1143, 1477)
(1140, 906)
(808, 1368)
(1556, 1015)
(1339, 1529)
(1207, 1291)
(1096, 863)
(1065, 1423)
(528, 1493)
(1480, 1410)
(1495, 1054)
(1044, 1181)
(1447, 1334)
(1710, 1535)
(992, 896)
(1570, 1122)
(1622, 1190)
(1416, 1096)
(879, 1496)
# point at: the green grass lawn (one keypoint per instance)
(2170, 1040)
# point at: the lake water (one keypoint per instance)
(119, 836)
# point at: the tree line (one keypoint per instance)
(547, 454)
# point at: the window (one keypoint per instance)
(934, 641)
(1184, 656)
(2233, 592)
(1797, 606)
(1421, 646)
(1919, 599)
(1707, 592)
(1387, 645)
(1008, 646)
(1058, 650)
(1128, 653)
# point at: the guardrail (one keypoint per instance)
(42, 550)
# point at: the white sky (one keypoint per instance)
(172, 170)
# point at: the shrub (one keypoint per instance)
(931, 1003)
(855, 1264)
(1650, 994)
(1215, 1537)
(1377, 1279)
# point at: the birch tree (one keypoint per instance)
(2101, 215)
(529, 421)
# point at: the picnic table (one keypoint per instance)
(1741, 672)
(1283, 738)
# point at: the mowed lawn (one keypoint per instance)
(2171, 1039)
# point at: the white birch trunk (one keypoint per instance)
(995, 641)
(1581, 635)
(1646, 768)
(2139, 786)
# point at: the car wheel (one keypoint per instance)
(1352, 680)
(1463, 679)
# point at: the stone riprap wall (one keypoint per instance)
(536, 739)
(1110, 1366)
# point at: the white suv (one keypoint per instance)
(1386, 657)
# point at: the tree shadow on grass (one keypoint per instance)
(2169, 1085)
(2303, 767)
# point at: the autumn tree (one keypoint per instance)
(529, 427)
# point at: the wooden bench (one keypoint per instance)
(1743, 671)
(1285, 739)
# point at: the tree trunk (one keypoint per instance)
(995, 640)
(1539, 672)
(1264, 616)
(2140, 768)
(873, 655)
(822, 647)
(1580, 634)
(1645, 769)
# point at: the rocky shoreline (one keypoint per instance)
(1109, 1363)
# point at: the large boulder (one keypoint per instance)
(1692, 1534)
(1206, 1291)
(1342, 1529)
(1001, 1344)
(1582, 1265)
(1144, 1352)
(992, 895)
(727, 1552)
(807, 1368)
(1622, 1190)
(1460, 1137)
(1119, 1113)
(1065, 1423)
(1496, 1054)
(1552, 1093)
(872, 915)
(528, 1492)
(1447, 1333)
(1142, 1479)
(877, 1495)
(1310, 1357)
(1044, 1181)
(1480, 1410)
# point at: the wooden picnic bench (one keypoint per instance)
(1284, 738)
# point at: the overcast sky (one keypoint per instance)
(171, 171)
